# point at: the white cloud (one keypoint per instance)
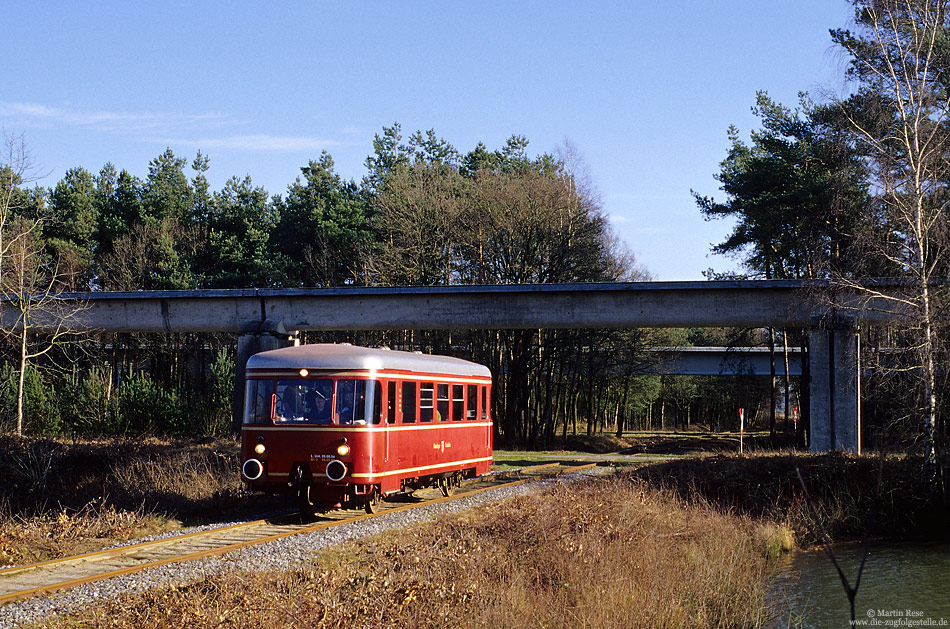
(27, 109)
(109, 121)
(165, 128)
(256, 142)
(359, 131)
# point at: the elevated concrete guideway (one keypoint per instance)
(782, 303)
(262, 317)
(715, 361)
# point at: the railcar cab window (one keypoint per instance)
(391, 402)
(258, 401)
(375, 400)
(303, 401)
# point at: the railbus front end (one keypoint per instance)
(339, 425)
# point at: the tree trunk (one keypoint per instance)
(21, 383)
(930, 383)
(622, 416)
(787, 402)
(772, 382)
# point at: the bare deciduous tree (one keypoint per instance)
(16, 172)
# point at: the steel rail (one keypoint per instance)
(113, 553)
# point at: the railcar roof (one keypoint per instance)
(346, 357)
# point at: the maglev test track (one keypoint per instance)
(21, 582)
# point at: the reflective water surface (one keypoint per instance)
(902, 585)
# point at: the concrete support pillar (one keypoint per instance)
(259, 336)
(835, 404)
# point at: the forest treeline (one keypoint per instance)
(425, 214)
(843, 189)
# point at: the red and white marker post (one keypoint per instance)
(741, 427)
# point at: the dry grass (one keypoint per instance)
(66, 498)
(606, 553)
(189, 482)
(63, 534)
(696, 439)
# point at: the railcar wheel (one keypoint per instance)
(303, 486)
(372, 503)
(447, 486)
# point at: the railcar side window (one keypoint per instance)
(408, 402)
(442, 413)
(471, 409)
(391, 402)
(375, 399)
(258, 396)
(484, 403)
(426, 401)
(354, 398)
(458, 402)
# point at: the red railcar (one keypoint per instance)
(344, 425)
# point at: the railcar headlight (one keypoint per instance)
(336, 470)
(252, 469)
(343, 449)
(259, 448)
(303, 373)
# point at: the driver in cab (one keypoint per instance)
(318, 407)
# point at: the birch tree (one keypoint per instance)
(29, 286)
(29, 279)
(900, 118)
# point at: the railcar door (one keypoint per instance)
(391, 406)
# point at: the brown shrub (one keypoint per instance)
(847, 496)
(194, 482)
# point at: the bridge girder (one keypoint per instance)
(784, 303)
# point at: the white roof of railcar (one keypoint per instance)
(343, 357)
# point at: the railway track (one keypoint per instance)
(22, 582)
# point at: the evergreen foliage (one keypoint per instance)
(796, 193)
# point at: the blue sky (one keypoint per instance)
(644, 90)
